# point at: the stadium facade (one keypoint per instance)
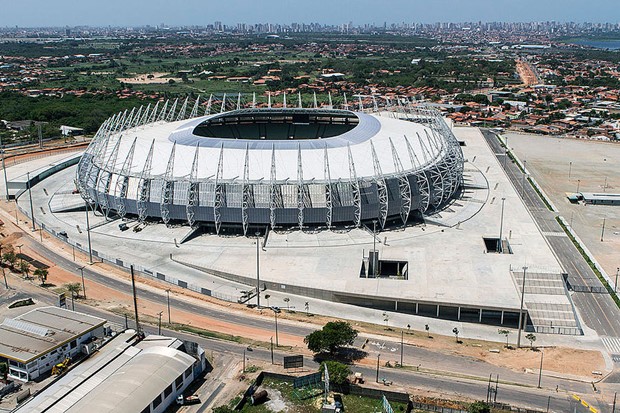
(251, 166)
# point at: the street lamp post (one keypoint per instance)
(159, 323)
(6, 284)
(500, 247)
(83, 285)
(505, 151)
(603, 230)
(168, 300)
(6, 181)
(90, 248)
(616, 283)
(257, 269)
(578, 183)
(521, 309)
(30, 197)
(570, 167)
(374, 248)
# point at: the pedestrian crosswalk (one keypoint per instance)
(612, 344)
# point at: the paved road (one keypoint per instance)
(598, 311)
(227, 353)
(428, 359)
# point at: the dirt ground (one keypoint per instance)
(144, 79)
(562, 166)
(562, 360)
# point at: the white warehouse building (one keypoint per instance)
(34, 342)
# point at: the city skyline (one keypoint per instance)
(361, 12)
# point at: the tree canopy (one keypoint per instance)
(338, 372)
(331, 337)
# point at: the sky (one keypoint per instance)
(46, 13)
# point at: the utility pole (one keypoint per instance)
(374, 248)
(378, 357)
(159, 323)
(6, 284)
(401, 348)
(90, 247)
(258, 273)
(275, 314)
(542, 354)
(83, 285)
(40, 136)
(521, 309)
(616, 283)
(271, 341)
(570, 167)
(244, 360)
(30, 197)
(578, 183)
(505, 151)
(168, 300)
(613, 410)
(603, 230)
(135, 298)
(6, 183)
(500, 246)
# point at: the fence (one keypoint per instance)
(345, 389)
(137, 268)
(432, 408)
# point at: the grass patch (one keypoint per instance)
(540, 195)
(205, 333)
(297, 403)
(585, 256)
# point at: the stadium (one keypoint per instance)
(248, 167)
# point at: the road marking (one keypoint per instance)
(554, 234)
(612, 344)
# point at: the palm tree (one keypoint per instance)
(74, 289)
(41, 274)
(10, 258)
(24, 268)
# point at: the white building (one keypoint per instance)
(33, 343)
(128, 374)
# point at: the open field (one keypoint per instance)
(593, 167)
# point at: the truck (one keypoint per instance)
(187, 400)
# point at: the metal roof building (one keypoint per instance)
(126, 375)
(600, 198)
(35, 341)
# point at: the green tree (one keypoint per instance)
(504, 333)
(10, 258)
(24, 268)
(41, 274)
(74, 289)
(479, 407)
(338, 372)
(331, 337)
(531, 337)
